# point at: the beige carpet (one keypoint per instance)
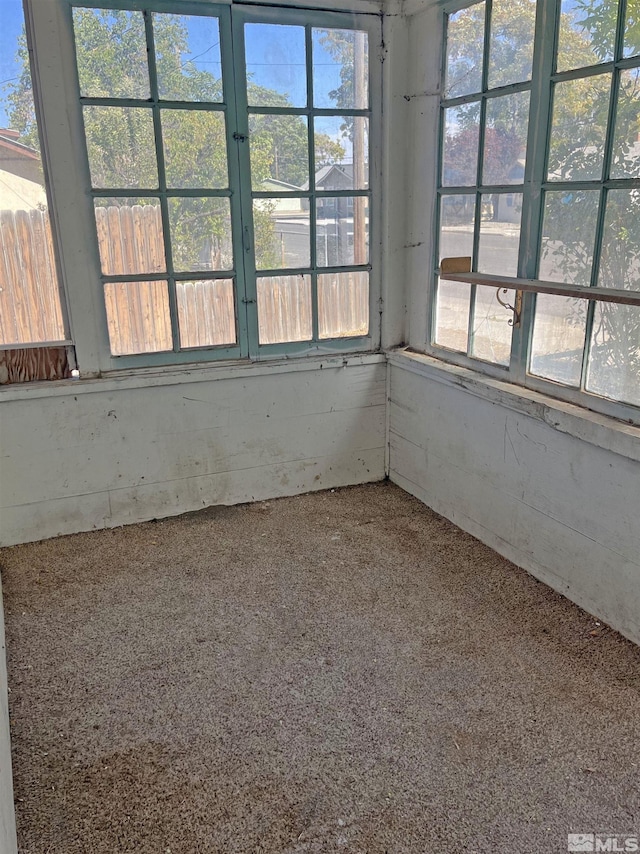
(343, 671)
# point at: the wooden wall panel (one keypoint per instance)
(34, 363)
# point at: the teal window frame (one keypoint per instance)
(544, 77)
(240, 194)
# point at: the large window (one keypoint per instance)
(211, 180)
(229, 164)
(540, 183)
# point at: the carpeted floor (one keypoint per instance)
(343, 671)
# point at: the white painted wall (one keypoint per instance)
(423, 105)
(107, 452)
(8, 843)
(551, 487)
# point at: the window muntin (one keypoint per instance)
(579, 211)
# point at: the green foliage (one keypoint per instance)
(327, 150)
(20, 104)
(111, 57)
(341, 46)
(581, 110)
(465, 47)
(511, 46)
(282, 140)
(576, 151)
(281, 143)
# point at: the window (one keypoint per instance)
(32, 313)
(554, 199)
(210, 182)
(228, 158)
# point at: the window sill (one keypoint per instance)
(599, 430)
(193, 373)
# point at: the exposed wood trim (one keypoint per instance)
(35, 363)
(616, 295)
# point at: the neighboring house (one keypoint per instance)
(21, 178)
(335, 225)
(507, 206)
(334, 177)
(284, 207)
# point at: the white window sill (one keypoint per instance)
(175, 375)
(599, 430)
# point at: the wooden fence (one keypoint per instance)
(130, 240)
(29, 298)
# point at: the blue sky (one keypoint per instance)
(275, 56)
(11, 20)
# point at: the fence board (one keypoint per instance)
(130, 241)
(9, 327)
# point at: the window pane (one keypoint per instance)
(587, 33)
(452, 315)
(281, 233)
(195, 149)
(30, 306)
(620, 257)
(30, 309)
(284, 309)
(511, 42)
(465, 45)
(580, 111)
(276, 66)
(343, 304)
(558, 338)
(460, 146)
(340, 69)
(505, 139)
(341, 152)
(138, 317)
(121, 148)
(111, 53)
(206, 313)
(614, 358)
(200, 234)
(342, 231)
(568, 236)
(457, 215)
(491, 339)
(279, 150)
(500, 234)
(187, 57)
(626, 143)
(632, 29)
(130, 236)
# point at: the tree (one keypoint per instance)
(581, 114)
(20, 107)
(349, 49)
(327, 150)
(111, 58)
(579, 127)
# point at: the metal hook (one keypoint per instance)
(515, 320)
